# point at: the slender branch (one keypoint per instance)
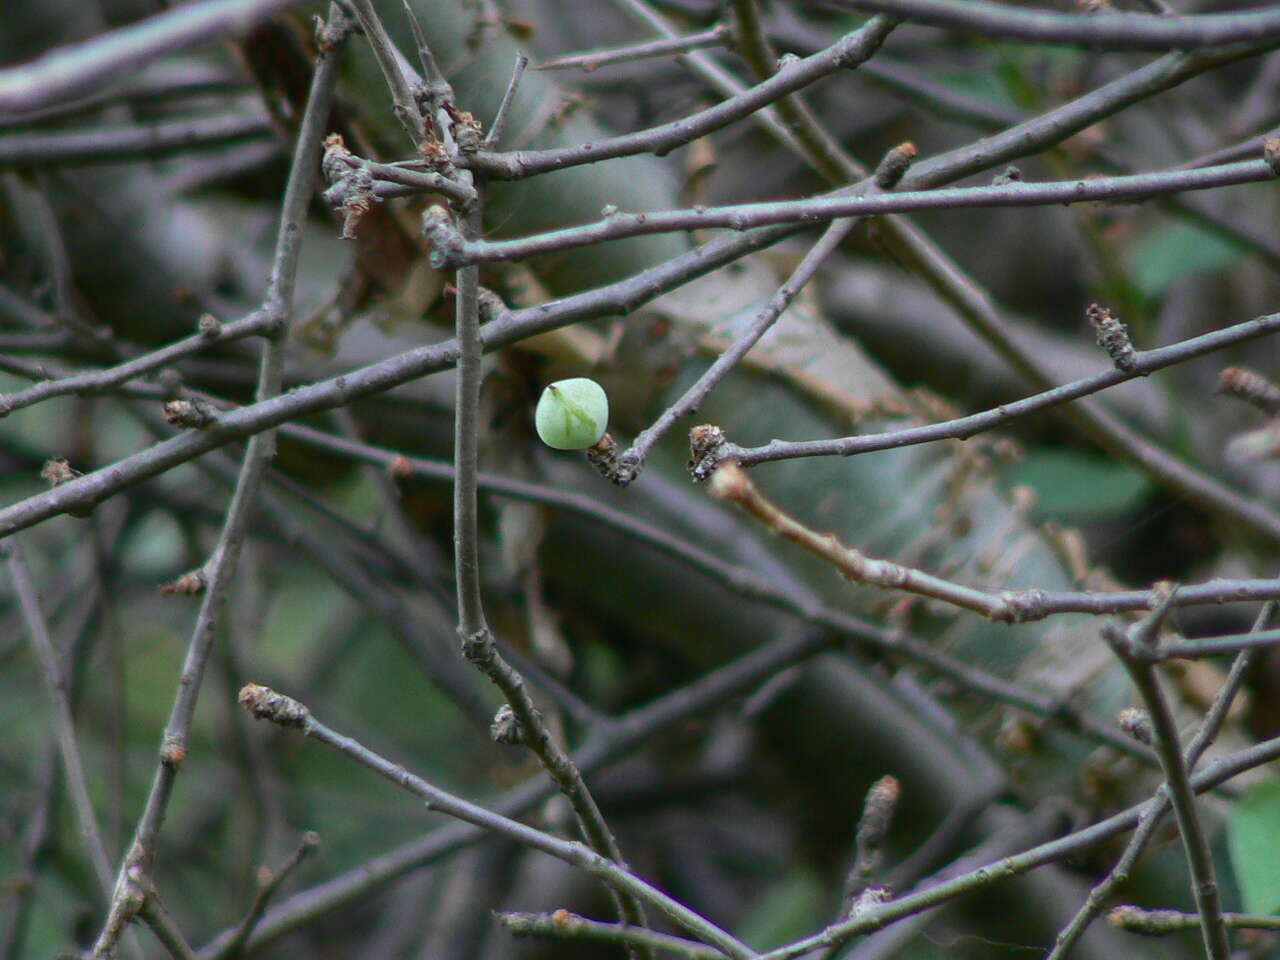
(563, 925)
(165, 929)
(454, 252)
(472, 627)
(731, 483)
(768, 119)
(1142, 363)
(397, 180)
(846, 53)
(60, 706)
(717, 36)
(69, 71)
(133, 880)
(266, 704)
(881, 915)
(26, 851)
(496, 128)
(631, 461)
(605, 744)
(403, 103)
(1159, 806)
(160, 84)
(641, 724)
(1204, 886)
(269, 882)
(1103, 30)
(478, 645)
(100, 381)
(1160, 922)
(1203, 647)
(813, 141)
(112, 144)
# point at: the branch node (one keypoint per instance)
(444, 237)
(706, 450)
(58, 470)
(173, 753)
(1136, 722)
(195, 414)
(1021, 606)
(1113, 337)
(620, 469)
(209, 327)
(506, 728)
(343, 169)
(1011, 174)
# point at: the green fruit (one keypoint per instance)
(572, 414)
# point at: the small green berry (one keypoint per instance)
(572, 414)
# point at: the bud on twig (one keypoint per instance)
(265, 704)
(1113, 337)
(895, 164)
(1136, 722)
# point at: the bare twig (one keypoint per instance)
(875, 917)
(403, 102)
(268, 705)
(1204, 887)
(108, 145)
(1143, 363)
(494, 136)
(269, 882)
(133, 885)
(478, 645)
(563, 925)
(731, 483)
(620, 224)
(100, 381)
(166, 930)
(69, 71)
(1160, 922)
(1203, 647)
(60, 703)
(594, 60)
(631, 461)
(1104, 30)
(845, 53)
(1159, 804)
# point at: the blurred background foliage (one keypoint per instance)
(747, 811)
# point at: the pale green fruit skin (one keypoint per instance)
(572, 414)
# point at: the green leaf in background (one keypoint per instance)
(1075, 487)
(1251, 836)
(1174, 251)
